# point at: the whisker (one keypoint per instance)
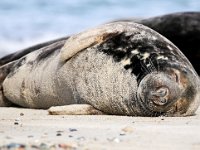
(153, 67)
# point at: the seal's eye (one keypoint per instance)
(160, 96)
(177, 77)
(175, 74)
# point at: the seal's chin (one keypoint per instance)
(158, 91)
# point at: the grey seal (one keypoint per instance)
(118, 68)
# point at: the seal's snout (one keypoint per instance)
(158, 91)
(160, 96)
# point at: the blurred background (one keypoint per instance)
(27, 22)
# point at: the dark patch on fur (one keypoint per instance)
(120, 47)
(15, 67)
(37, 89)
(20, 62)
(112, 45)
(30, 63)
(4, 71)
(22, 90)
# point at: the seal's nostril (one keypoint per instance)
(161, 92)
(159, 97)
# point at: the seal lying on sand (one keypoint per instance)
(183, 29)
(119, 68)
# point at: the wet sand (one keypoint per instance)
(35, 129)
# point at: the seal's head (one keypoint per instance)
(172, 92)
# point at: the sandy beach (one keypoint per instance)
(35, 129)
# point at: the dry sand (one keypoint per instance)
(37, 128)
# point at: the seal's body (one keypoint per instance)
(119, 68)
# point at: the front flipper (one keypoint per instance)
(75, 109)
(91, 37)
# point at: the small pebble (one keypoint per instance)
(188, 122)
(122, 134)
(62, 146)
(116, 140)
(17, 119)
(21, 114)
(43, 146)
(30, 136)
(44, 135)
(58, 134)
(72, 129)
(34, 147)
(16, 146)
(36, 141)
(81, 138)
(127, 129)
(67, 146)
(16, 123)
